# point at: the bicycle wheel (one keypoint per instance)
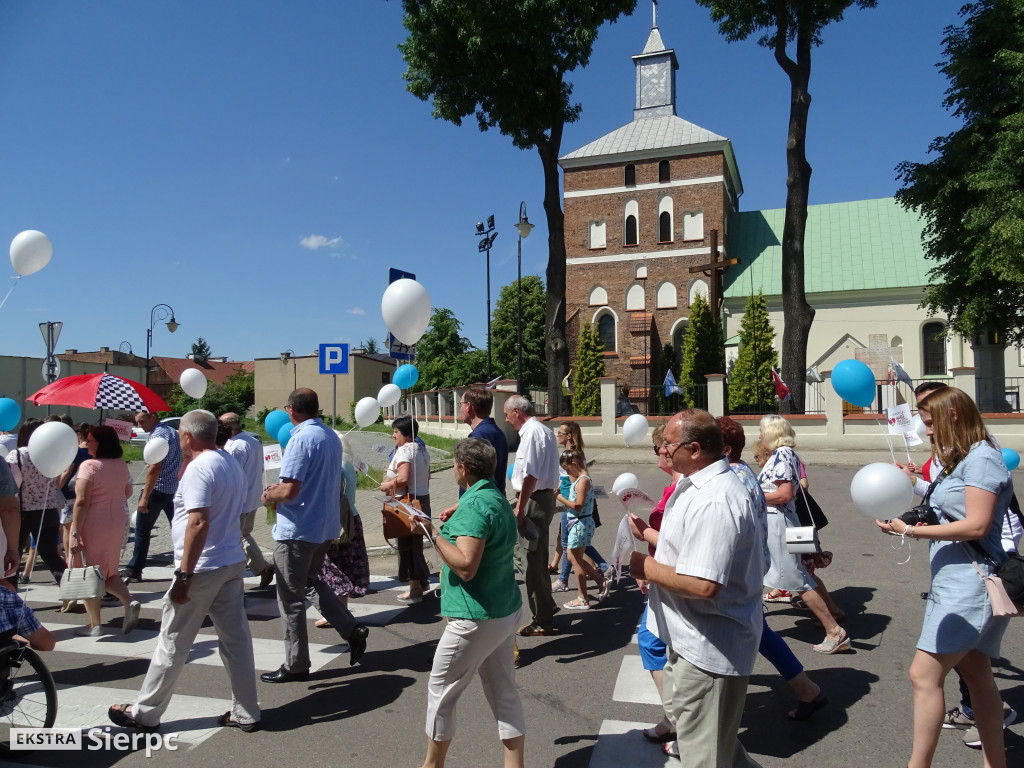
(28, 696)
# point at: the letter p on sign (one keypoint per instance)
(333, 358)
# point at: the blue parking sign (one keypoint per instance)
(333, 358)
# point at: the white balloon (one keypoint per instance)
(389, 395)
(193, 382)
(881, 491)
(635, 429)
(406, 310)
(367, 411)
(52, 448)
(156, 450)
(31, 250)
(624, 481)
(918, 426)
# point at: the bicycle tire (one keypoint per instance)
(28, 698)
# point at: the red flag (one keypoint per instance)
(780, 387)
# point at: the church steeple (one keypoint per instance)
(655, 76)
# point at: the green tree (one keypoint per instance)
(586, 393)
(751, 385)
(970, 195)
(503, 333)
(371, 346)
(200, 350)
(504, 62)
(241, 387)
(703, 353)
(439, 352)
(780, 24)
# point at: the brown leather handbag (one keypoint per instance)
(399, 523)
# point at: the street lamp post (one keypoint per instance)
(524, 227)
(487, 237)
(159, 312)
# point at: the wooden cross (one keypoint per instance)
(715, 271)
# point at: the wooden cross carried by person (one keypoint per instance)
(715, 271)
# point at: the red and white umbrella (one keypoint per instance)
(100, 390)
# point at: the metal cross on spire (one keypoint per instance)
(654, 12)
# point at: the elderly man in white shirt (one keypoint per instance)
(705, 593)
(535, 478)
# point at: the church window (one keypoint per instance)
(697, 287)
(896, 341)
(933, 343)
(597, 234)
(636, 298)
(693, 225)
(663, 172)
(630, 175)
(598, 296)
(667, 296)
(630, 227)
(606, 331)
(678, 337)
(665, 220)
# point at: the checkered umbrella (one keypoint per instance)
(100, 390)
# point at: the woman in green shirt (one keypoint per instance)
(482, 602)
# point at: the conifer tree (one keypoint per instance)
(586, 394)
(703, 353)
(751, 385)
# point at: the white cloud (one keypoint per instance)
(356, 311)
(316, 242)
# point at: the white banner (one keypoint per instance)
(272, 456)
(900, 419)
(123, 428)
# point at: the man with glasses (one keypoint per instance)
(705, 593)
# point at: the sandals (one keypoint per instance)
(671, 748)
(804, 709)
(322, 624)
(602, 591)
(777, 596)
(577, 605)
(534, 630)
(119, 715)
(651, 734)
(831, 645)
(226, 721)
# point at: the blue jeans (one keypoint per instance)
(158, 502)
(590, 552)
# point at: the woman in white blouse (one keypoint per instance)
(409, 474)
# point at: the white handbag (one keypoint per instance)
(82, 583)
(802, 540)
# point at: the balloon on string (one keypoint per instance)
(881, 491)
(624, 481)
(854, 382)
(284, 434)
(634, 429)
(31, 250)
(52, 448)
(406, 310)
(274, 421)
(156, 450)
(511, 467)
(10, 414)
(389, 395)
(405, 376)
(367, 411)
(1011, 459)
(193, 382)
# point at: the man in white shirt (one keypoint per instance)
(208, 581)
(705, 593)
(535, 478)
(248, 452)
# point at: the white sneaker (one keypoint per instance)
(973, 739)
(88, 631)
(131, 616)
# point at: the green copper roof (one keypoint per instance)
(858, 246)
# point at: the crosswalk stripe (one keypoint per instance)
(634, 684)
(620, 743)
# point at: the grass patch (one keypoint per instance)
(131, 452)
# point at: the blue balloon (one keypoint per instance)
(405, 376)
(1011, 458)
(275, 420)
(854, 382)
(10, 414)
(284, 434)
(510, 468)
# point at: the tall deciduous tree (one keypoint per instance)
(972, 194)
(442, 354)
(505, 62)
(703, 353)
(586, 393)
(751, 385)
(782, 23)
(504, 329)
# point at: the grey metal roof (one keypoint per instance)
(654, 43)
(654, 133)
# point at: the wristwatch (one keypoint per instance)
(180, 575)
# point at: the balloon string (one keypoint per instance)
(16, 279)
(903, 540)
(888, 439)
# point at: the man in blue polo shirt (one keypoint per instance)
(475, 410)
(308, 499)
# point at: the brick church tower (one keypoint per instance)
(644, 205)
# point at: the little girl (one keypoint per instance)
(580, 525)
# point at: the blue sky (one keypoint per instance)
(259, 165)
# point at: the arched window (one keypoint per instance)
(665, 220)
(597, 234)
(598, 296)
(636, 299)
(896, 341)
(630, 175)
(606, 331)
(933, 345)
(663, 172)
(667, 296)
(630, 226)
(678, 337)
(693, 225)
(697, 287)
